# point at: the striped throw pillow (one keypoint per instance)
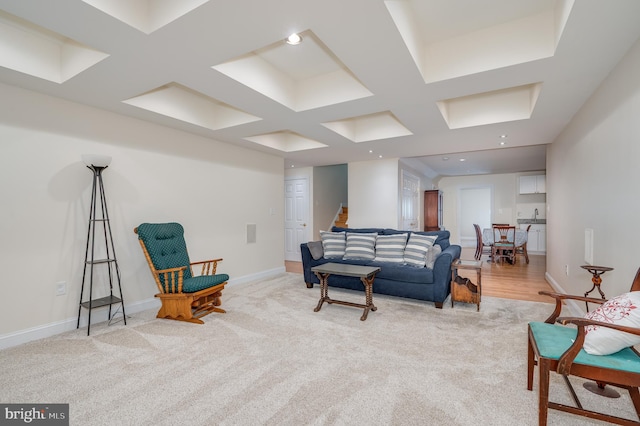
(333, 244)
(390, 248)
(416, 250)
(360, 246)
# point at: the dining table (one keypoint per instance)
(488, 236)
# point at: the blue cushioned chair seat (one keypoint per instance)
(191, 285)
(553, 340)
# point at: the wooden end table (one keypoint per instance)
(366, 274)
(462, 289)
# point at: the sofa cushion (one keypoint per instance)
(333, 244)
(390, 248)
(402, 273)
(416, 250)
(360, 246)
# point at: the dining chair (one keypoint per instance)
(522, 249)
(481, 247)
(504, 243)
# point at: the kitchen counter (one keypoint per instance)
(532, 221)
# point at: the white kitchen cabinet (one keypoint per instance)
(536, 238)
(536, 184)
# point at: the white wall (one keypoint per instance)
(157, 174)
(593, 171)
(373, 194)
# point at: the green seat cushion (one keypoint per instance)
(553, 340)
(166, 246)
(191, 285)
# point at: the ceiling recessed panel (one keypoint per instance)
(286, 141)
(146, 15)
(301, 77)
(383, 125)
(36, 51)
(182, 103)
(449, 40)
(499, 106)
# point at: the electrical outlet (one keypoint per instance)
(61, 288)
(566, 270)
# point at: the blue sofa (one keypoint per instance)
(400, 280)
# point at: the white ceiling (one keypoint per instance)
(418, 79)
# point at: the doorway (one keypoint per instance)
(475, 207)
(296, 217)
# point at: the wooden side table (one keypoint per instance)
(462, 289)
(596, 271)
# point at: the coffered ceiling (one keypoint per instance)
(434, 81)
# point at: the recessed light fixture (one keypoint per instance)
(294, 39)
(445, 158)
(503, 136)
(502, 143)
(292, 166)
(379, 156)
(462, 159)
(370, 151)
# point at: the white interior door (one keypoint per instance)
(296, 217)
(475, 207)
(410, 203)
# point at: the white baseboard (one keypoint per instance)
(258, 276)
(574, 307)
(51, 329)
(100, 315)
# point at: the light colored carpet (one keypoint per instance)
(272, 360)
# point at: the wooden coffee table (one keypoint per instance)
(366, 274)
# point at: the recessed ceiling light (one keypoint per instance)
(292, 166)
(462, 159)
(445, 158)
(503, 136)
(294, 39)
(370, 151)
(379, 156)
(502, 143)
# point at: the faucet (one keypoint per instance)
(535, 215)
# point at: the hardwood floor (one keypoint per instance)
(519, 281)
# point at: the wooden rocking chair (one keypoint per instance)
(559, 349)
(184, 297)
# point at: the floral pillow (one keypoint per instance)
(621, 310)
